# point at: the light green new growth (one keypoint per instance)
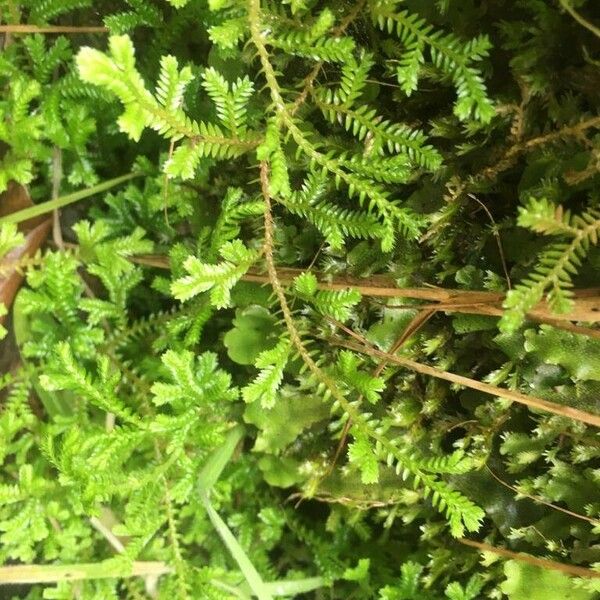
(558, 262)
(218, 278)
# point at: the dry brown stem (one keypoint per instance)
(569, 412)
(543, 563)
(51, 29)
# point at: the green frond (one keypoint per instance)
(455, 463)
(368, 193)
(140, 14)
(197, 382)
(264, 388)
(353, 81)
(117, 72)
(172, 83)
(279, 182)
(20, 128)
(334, 223)
(543, 216)
(46, 59)
(368, 386)
(229, 33)
(362, 454)
(72, 87)
(323, 49)
(461, 512)
(271, 150)
(218, 278)
(337, 304)
(447, 53)
(557, 264)
(383, 135)
(396, 169)
(10, 238)
(230, 100)
(235, 209)
(43, 11)
(69, 375)
(52, 299)
(310, 40)
(306, 284)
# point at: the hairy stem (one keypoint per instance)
(387, 447)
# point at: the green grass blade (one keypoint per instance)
(296, 586)
(253, 578)
(46, 207)
(218, 460)
(234, 591)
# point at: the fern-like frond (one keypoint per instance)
(461, 512)
(369, 193)
(368, 386)
(334, 303)
(448, 53)
(218, 278)
(198, 382)
(172, 83)
(310, 40)
(10, 238)
(231, 100)
(140, 14)
(43, 11)
(324, 49)
(228, 34)
(271, 363)
(335, 223)
(116, 71)
(69, 375)
(353, 81)
(557, 264)
(234, 209)
(46, 58)
(383, 135)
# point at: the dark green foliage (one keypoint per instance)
(186, 391)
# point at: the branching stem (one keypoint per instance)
(430, 483)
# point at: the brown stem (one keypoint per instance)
(539, 500)
(586, 301)
(533, 402)
(50, 29)
(416, 323)
(544, 563)
(515, 151)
